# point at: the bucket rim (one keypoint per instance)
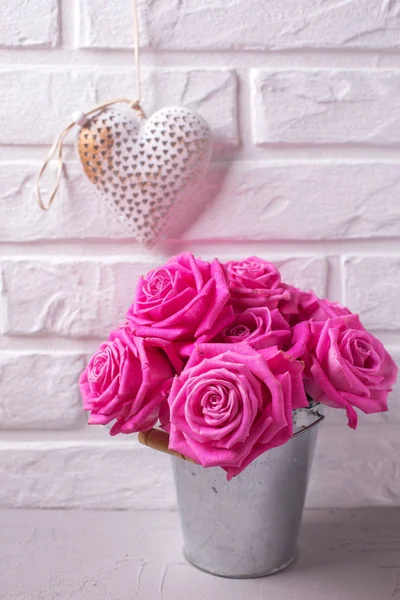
(313, 410)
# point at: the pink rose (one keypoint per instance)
(127, 379)
(348, 367)
(326, 310)
(255, 282)
(263, 328)
(306, 306)
(259, 327)
(185, 300)
(230, 404)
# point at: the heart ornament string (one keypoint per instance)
(142, 168)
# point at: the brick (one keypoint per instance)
(326, 107)
(85, 475)
(278, 24)
(78, 211)
(104, 25)
(29, 23)
(341, 201)
(67, 297)
(39, 391)
(351, 469)
(372, 289)
(54, 97)
(58, 93)
(305, 273)
(355, 468)
(289, 201)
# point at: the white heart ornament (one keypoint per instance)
(142, 168)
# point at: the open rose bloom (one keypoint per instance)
(220, 355)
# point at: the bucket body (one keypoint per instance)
(249, 526)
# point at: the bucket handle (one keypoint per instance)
(159, 440)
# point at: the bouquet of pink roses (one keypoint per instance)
(221, 354)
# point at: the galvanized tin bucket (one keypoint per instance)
(249, 526)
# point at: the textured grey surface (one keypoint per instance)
(96, 555)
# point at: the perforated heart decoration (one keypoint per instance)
(142, 168)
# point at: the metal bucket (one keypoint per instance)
(249, 526)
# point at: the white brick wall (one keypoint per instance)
(29, 23)
(326, 107)
(233, 24)
(303, 101)
(52, 402)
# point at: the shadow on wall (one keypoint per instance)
(188, 212)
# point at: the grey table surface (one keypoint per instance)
(99, 555)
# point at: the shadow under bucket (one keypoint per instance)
(249, 526)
